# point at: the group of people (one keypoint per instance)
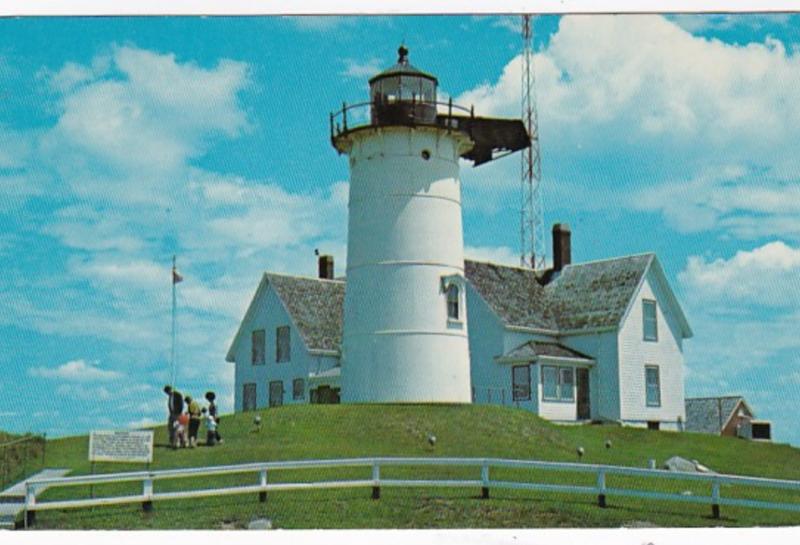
(185, 417)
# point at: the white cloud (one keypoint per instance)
(135, 273)
(126, 132)
(362, 69)
(82, 393)
(767, 275)
(494, 254)
(145, 422)
(727, 21)
(76, 370)
(681, 107)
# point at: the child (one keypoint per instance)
(181, 426)
(211, 428)
(212, 411)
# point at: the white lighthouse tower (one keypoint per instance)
(405, 317)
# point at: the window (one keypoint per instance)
(276, 393)
(258, 340)
(549, 382)
(452, 302)
(249, 397)
(298, 389)
(653, 425)
(652, 386)
(282, 344)
(558, 383)
(567, 384)
(521, 382)
(650, 323)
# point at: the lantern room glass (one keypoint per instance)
(407, 88)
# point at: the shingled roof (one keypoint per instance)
(315, 306)
(711, 414)
(596, 294)
(583, 296)
(513, 293)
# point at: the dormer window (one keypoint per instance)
(453, 294)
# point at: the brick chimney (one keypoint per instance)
(562, 253)
(326, 267)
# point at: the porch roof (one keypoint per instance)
(536, 350)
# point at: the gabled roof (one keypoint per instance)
(513, 293)
(314, 305)
(532, 350)
(596, 294)
(583, 296)
(711, 414)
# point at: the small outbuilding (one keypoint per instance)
(725, 415)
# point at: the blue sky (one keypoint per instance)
(125, 140)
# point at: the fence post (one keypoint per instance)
(601, 488)
(715, 499)
(262, 496)
(147, 492)
(30, 502)
(485, 481)
(376, 481)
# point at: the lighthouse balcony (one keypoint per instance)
(492, 137)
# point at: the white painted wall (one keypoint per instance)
(604, 375)
(404, 235)
(492, 381)
(269, 313)
(635, 353)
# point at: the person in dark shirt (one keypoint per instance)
(175, 408)
(212, 411)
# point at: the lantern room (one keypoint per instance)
(403, 94)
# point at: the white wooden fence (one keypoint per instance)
(484, 481)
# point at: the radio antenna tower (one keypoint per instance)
(532, 243)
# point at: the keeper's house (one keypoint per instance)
(601, 340)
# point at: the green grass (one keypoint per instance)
(20, 456)
(337, 431)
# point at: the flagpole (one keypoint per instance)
(174, 301)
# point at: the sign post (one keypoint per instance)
(122, 446)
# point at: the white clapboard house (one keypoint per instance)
(600, 341)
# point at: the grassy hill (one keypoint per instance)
(333, 431)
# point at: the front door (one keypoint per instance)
(584, 408)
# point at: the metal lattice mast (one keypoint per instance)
(532, 242)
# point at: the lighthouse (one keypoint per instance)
(405, 317)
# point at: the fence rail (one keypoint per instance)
(261, 486)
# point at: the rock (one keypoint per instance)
(260, 524)
(676, 463)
